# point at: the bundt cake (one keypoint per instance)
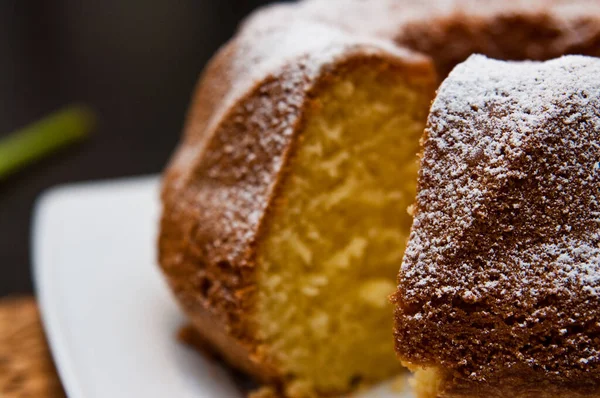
(284, 208)
(499, 290)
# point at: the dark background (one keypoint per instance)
(135, 62)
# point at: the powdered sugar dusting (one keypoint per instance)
(508, 211)
(286, 36)
(484, 120)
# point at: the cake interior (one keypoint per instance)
(425, 382)
(330, 254)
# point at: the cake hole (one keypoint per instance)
(467, 307)
(204, 286)
(547, 341)
(548, 301)
(355, 381)
(224, 265)
(575, 329)
(512, 320)
(412, 309)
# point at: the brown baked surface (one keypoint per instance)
(251, 105)
(500, 285)
(26, 368)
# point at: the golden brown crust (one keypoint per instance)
(26, 368)
(248, 110)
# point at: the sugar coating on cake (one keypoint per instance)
(281, 37)
(283, 82)
(502, 270)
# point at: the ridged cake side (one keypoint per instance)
(500, 285)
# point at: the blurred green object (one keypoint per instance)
(41, 138)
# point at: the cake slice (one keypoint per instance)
(499, 290)
(284, 226)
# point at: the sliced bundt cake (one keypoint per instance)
(284, 208)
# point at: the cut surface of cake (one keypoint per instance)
(284, 208)
(499, 291)
(334, 240)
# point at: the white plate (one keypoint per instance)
(108, 314)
